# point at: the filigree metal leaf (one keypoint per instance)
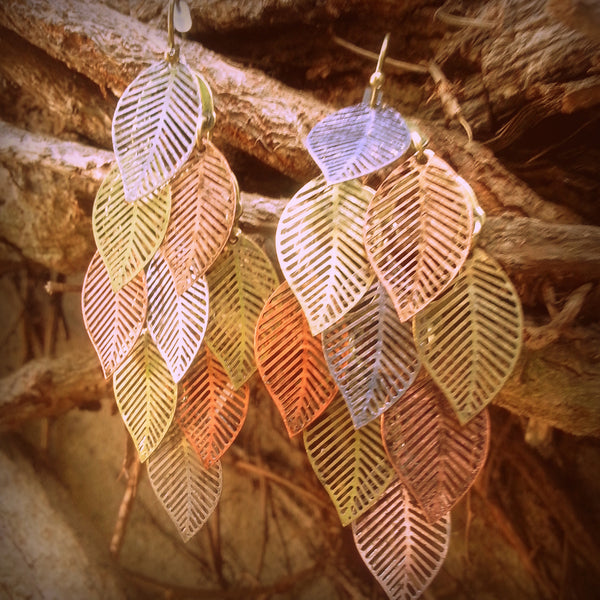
(470, 338)
(371, 355)
(210, 411)
(401, 549)
(240, 282)
(154, 126)
(188, 491)
(357, 140)
(320, 249)
(146, 395)
(203, 200)
(113, 320)
(290, 361)
(350, 463)
(177, 323)
(128, 233)
(437, 458)
(418, 231)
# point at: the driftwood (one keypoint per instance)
(48, 549)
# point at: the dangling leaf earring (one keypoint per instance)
(418, 328)
(172, 297)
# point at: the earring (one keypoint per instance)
(403, 331)
(171, 298)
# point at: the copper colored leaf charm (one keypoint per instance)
(371, 355)
(240, 282)
(470, 338)
(437, 458)
(210, 411)
(188, 491)
(203, 200)
(320, 249)
(177, 323)
(418, 231)
(290, 361)
(402, 550)
(357, 140)
(146, 395)
(154, 126)
(350, 463)
(128, 233)
(113, 320)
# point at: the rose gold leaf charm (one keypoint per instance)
(470, 338)
(188, 491)
(437, 458)
(403, 551)
(418, 231)
(176, 322)
(350, 463)
(357, 140)
(290, 361)
(128, 234)
(371, 355)
(154, 126)
(240, 282)
(320, 249)
(210, 411)
(113, 320)
(204, 194)
(146, 395)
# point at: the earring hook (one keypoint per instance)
(172, 53)
(377, 78)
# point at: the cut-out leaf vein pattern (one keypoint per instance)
(418, 231)
(320, 249)
(357, 140)
(401, 549)
(203, 201)
(154, 126)
(176, 322)
(437, 458)
(470, 338)
(240, 282)
(210, 411)
(113, 320)
(350, 463)
(371, 355)
(188, 491)
(146, 395)
(128, 234)
(290, 361)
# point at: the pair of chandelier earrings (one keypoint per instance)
(389, 336)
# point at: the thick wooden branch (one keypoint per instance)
(255, 113)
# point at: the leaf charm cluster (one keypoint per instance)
(388, 339)
(171, 298)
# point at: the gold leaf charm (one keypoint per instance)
(418, 231)
(320, 249)
(177, 323)
(210, 411)
(240, 282)
(437, 458)
(204, 194)
(371, 355)
(350, 463)
(146, 395)
(290, 361)
(113, 320)
(154, 126)
(470, 338)
(403, 551)
(357, 140)
(128, 234)
(188, 491)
